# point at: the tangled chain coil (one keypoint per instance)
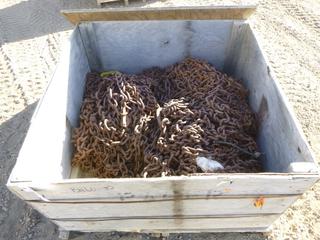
(158, 122)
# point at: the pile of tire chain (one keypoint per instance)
(158, 122)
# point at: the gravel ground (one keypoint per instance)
(31, 33)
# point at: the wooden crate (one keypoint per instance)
(131, 40)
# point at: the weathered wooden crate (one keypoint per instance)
(132, 40)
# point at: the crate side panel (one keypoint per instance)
(209, 41)
(89, 41)
(82, 190)
(166, 208)
(46, 151)
(280, 136)
(78, 69)
(131, 47)
(40, 155)
(232, 224)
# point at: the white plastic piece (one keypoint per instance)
(302, 167)
(64, 234)
(208, 165)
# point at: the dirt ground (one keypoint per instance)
(31, 35)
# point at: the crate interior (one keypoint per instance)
(230, 46)
(132, 46)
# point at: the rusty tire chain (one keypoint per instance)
(158, 122)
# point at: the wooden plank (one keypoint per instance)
(88, 36)
(280, 137)
(172, 13)
(135, 189)
(166, 209)
(164, 232)
(46, 151)
(231, 224)
(123, 45)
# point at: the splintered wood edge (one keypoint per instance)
(172, 13)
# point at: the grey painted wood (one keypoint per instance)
(120, 190)
(46, 151)
(234, 224)
(165, 209)
(280, 139)
(164, 232)
(88, 36)
(78, 68)
(134, 46)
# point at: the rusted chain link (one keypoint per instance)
(158, 122)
